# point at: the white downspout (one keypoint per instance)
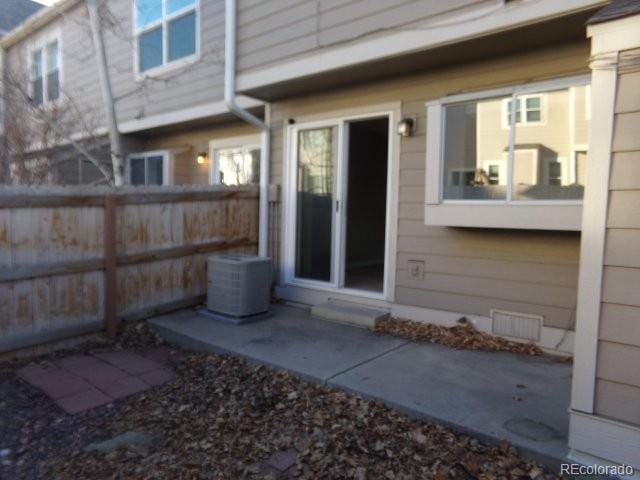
(230, 101)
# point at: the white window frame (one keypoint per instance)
(524, 122)
(167, 65)
(167, 165)
(248, 142)
(507, 213)
(41, 43)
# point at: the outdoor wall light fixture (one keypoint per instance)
(405, 127)
(202, 158)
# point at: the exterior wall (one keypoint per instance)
(617, 383)
(193, 85)
(276, 30)
(78, 77)
(466, 270)
(190, 143)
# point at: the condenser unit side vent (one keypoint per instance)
(516, 325)
(239, 285)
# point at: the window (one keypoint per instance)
(235, 160)
(528, 110)
(237, 166)
(150, 168)
(45, 73)
(166, 32)
(533, 160)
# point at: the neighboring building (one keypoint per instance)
(14, 12)
(432, 157)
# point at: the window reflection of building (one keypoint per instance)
(541, 153)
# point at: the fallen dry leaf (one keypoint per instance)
(461, 336)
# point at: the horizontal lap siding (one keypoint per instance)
(618, 380)
(276, 30)
(470, 271)
(190, 86)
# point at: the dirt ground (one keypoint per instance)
(224, 418)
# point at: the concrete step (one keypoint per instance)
(350, 314)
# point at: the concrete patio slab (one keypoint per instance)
(314, 349)
(492, 395)
(495, 396)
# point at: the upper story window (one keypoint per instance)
(524, 145)
(45, 73)
(166, 33)
(528, 110)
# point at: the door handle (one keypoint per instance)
(337, 206)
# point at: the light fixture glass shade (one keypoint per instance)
(405, 127)
(201, 158)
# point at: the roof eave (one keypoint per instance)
(36, 21)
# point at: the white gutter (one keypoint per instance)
(230, 102)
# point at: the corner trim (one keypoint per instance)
(603, 438)
(592, 245)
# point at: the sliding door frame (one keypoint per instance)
(341, 120)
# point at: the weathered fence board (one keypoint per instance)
(57, 249)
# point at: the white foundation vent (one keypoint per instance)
(516, 325)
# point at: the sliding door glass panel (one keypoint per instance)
(317, 151)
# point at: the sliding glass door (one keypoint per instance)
(317, 153)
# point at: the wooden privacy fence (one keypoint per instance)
(73, 260)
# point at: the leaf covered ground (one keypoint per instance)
(225, 418)
(462, 336)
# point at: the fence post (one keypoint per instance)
(110, 280)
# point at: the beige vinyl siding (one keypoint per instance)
(78, 74)
(190, 86)
(190, 143)
(466, 270)
(618, 378)
(275, 30)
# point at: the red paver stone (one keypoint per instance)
(81, 365)
(102, 373)
(56, 382)
(83, 401)
(158, 354)
(129, 362)
(283, 460)
(157, 377)
(122, 387)
(32, 372)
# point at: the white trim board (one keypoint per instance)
(604, 438)
(339, 119)
(592, 244)
(454, 29)
(212, 109)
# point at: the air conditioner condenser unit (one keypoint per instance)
(239, 286)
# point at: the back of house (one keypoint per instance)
(433, 160)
